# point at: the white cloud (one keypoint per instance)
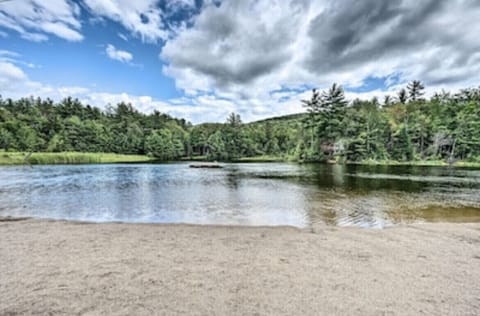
(123, 37)
(257, 57)
(242, 51)
(34, 19)
(34, 37)
(174, 4)
(198, 108)
(8, 53)
(10, 73)
(72, 91)
(235, 44)
(13, 58)
(61, 30)
(16, 84)
(116, 54)
(142, 18)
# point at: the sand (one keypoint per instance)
(56, 267)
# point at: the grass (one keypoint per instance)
(263, 158)
(195, 158)
(18, 158)
(420, 163)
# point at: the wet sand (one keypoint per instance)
(56, 267)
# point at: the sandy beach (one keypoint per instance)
(57, 267)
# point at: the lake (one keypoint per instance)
(243, 194)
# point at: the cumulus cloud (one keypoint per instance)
(246, 49)
(34, 19)
(234, 43)
(16, 84)
(152, 21)
(116, 54)
(11, 62)
(142, 18)
(260, 57)
(10, 73)
(416, 39)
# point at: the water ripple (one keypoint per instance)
(242, 194)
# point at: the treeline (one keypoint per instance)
(36, 125)
(404, 127)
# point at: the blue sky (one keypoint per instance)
(85, 63)
(203, 59)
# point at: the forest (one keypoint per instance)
(403, 128)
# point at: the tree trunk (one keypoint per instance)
(421, 145)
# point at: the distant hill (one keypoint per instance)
(289, 117)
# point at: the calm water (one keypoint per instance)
(245, 194)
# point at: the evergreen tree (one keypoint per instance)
(443, 127)
(402, 96)
(415, 90)
(314, 110)
(334, 107)
(387, 101)
(233, 139)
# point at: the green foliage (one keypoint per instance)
(41, 126)
(161, 145)
(415, 90)
(445, 127)
(326, 112)
(405, 129)
(402, 96)
(7, 139)
(15, 158)
(217, 147)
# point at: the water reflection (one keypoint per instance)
(245, 194)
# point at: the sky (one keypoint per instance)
(202, 59)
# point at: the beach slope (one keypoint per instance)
(57, 267)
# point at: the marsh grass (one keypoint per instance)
(18, 158)
(264, 158)
(420, 163)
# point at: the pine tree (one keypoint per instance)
(314, 109)
(415, 90)
(334, 107)
(387, 100)
(402, 96)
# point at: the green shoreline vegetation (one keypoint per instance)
(43, 158)
(405, 129)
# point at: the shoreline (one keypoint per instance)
(311, 228)
(69, 158)
(10, 219)
(86, 158)
(63, 267)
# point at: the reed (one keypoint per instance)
(19, 158)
